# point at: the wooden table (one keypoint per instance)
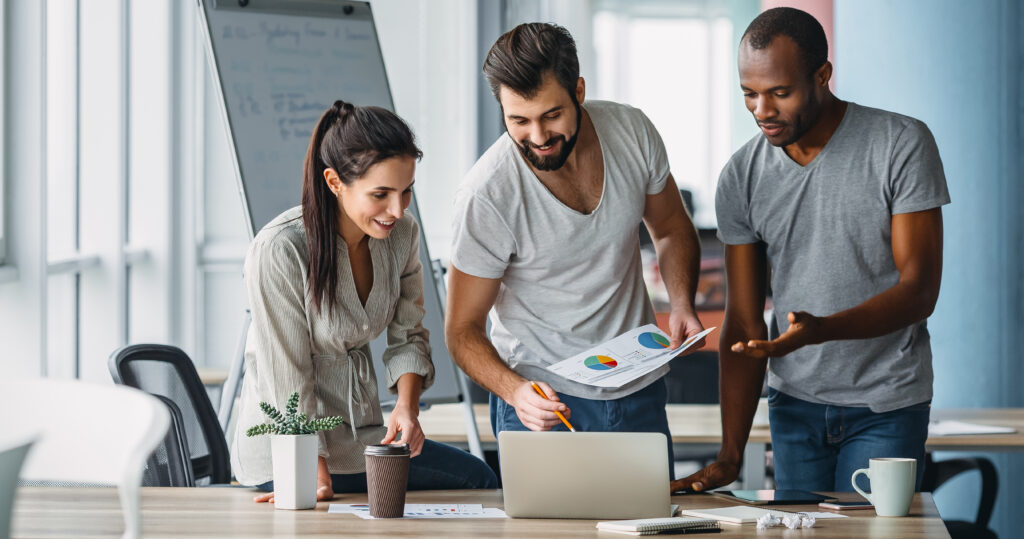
(701, 424)
(183, 512)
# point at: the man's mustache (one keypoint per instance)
(527, 144)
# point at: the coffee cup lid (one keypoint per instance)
(387, 450)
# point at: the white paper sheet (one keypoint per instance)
(960, 428)
(425, 510)
(624, 358)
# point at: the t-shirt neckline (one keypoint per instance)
(547, 192)
(832, 141)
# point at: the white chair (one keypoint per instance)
(87, 433)
(12, 456)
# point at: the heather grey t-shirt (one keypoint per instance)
(569, 281)
(827, 227)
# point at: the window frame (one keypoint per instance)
(3, 140)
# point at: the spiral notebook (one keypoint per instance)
(656, 526)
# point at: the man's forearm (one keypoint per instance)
(740, 379)
(896, 308)
(476, 356)
(679, 262)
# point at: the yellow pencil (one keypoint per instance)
(560, 416)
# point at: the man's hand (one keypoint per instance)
(536, 412)
(682, 324)
(804, 329)
(405, 419)
(717, 474)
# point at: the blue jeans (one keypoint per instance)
(437, 467)
(819, 446)
(643, 411)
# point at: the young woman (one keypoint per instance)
(326, 278)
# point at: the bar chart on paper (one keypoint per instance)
(624, 358)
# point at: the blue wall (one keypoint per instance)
(957, 66)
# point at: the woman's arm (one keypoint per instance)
(408, 348)
(405, 417)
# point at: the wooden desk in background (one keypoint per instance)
(701, 424)
(689, 423)
(212, 377)
(221, 512)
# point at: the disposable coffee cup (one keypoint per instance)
(892, 485)
(387, 475)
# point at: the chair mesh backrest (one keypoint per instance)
(170, 465)
(161, 378)
(168, 372)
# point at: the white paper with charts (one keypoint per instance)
(624, 358)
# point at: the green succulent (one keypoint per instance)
(291, 422)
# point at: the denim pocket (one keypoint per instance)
(773, 396)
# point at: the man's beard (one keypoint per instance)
(804, 121)
(552, 162)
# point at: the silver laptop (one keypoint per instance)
(593, 475)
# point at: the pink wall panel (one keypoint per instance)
(821, 10)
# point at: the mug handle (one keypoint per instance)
(853, 480)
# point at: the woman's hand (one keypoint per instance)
(268, 497)
(324, 488)
(405, 419)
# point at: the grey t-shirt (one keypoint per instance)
(569, 281)
(827, 228)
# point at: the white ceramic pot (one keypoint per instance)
(295, 462)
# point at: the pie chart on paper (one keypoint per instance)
(600, 363)
(654, 341)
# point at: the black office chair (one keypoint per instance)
(938, 472)
(170, 465)
(167, 371)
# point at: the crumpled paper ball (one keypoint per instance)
(767, 520)
(792, 522)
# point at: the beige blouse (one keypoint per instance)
(292, 347)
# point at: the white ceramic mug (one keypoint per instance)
(892, 485)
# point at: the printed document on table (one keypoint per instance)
(624, 358)
(425, 510)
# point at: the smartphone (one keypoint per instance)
(845, 506)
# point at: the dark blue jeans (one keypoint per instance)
(643, 411)
(819, 446)
(437, 467)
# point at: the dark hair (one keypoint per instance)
(350, 140)
(520, 58)
(799, 26)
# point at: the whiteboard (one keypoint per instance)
(278, 66)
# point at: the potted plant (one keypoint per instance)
(294, 448)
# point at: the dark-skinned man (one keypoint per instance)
(843, 203)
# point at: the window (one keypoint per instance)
(3, 143)
(678, 71)
(107, 147)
